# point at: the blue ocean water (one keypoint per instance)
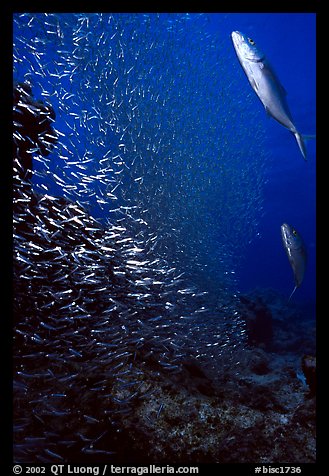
(159, 136)
(289, 41)
(195, 156)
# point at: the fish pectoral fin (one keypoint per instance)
(268, 112)
(292, 292)
(301, 143)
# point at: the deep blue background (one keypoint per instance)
(289, 42)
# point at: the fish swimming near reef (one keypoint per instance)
(265, 83)
(296, 251)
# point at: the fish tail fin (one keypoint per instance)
(292, 293)
(301, 143)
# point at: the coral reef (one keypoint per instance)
(260, 410)
(241, 417)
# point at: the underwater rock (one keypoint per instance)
(304, 415)
(290, 329)
(258, 319)
(246, 418)
(32, 129)
(309, 370)
(195, 377)
(259, 362)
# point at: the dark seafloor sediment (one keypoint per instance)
(262, 411)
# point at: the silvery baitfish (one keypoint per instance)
(265, 83)
(296, 251)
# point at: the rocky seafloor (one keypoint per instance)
(263, 410)
(260, 410)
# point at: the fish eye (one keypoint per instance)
(294, 232)
(251, 41)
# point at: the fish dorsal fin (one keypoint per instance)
(292, 293)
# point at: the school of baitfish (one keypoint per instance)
(116, 197)
(272, 94)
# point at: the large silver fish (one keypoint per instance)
(265, 83)
(296, 251)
